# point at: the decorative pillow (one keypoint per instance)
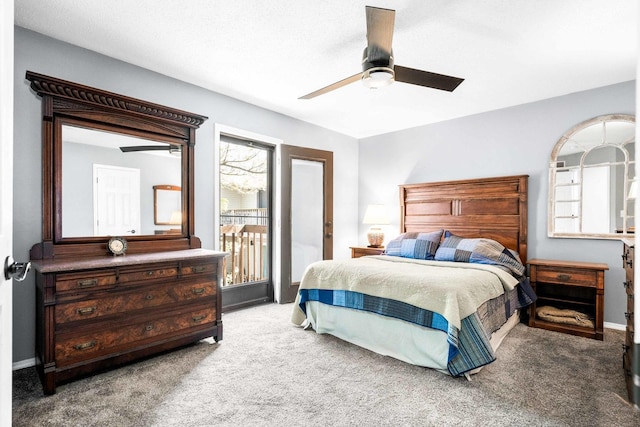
(479, 251)
(415, 245)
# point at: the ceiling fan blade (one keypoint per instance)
(426, 78)
(333, 86)
(145, 148)
(379, 33)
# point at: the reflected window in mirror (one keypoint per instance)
(108, 178)
(592, 180)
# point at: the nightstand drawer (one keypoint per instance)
(358, 251)
(566, 276)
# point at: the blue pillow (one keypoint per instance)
(479, 251)
(416, 245)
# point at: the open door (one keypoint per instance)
(6, 205)
(307, 214)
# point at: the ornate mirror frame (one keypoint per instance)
(602, 143)
(68, 102)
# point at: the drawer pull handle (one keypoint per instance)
(199, 318)
(85, 345)
(199, 268)
(198, 291)
(149, 273)
(86, 310)
(627, 284)
(87, 283)
(148, 328)
(564, 277)
(629, 262)
(148, 297)
(628, 314)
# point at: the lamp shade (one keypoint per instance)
(376, 215)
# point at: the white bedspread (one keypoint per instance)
(454, 290)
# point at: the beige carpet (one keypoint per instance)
(267, 372)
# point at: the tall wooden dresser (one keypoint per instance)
(629, 352)
(99, 312)
(111, 288)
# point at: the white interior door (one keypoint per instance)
(116, 200)
(6, 204)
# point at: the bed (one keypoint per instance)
(447, 290)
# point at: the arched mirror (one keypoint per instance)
(592, 180)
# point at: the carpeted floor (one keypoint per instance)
(266, 372)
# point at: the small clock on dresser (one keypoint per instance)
(117, 246)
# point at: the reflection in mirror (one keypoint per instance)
(167, 208)
(592, 180)
(107, 181)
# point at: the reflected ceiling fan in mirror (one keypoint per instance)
(173, 149)
(378, 69)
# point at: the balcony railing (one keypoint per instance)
(244, 235)
(255, 216)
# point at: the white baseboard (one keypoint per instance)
(617, 326)
(27, 363)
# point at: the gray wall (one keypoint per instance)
(510, 141)
(51, 57)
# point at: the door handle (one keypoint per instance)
(15, 270)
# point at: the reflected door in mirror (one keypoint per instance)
(116, 200)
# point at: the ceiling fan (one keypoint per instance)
(173, 149)
(378, 69)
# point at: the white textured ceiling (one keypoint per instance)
(269, 53)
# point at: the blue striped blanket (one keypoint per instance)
(357, 285)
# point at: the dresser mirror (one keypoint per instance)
(103, 154)
(592, 180)
(111, 175)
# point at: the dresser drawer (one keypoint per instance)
(149, 273)
(140, 299)
(72, 347)
(566, 276)
(204, 267)
(81, 281)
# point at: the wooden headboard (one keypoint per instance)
(495, 208)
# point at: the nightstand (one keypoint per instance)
(568, 285)
(358, 251)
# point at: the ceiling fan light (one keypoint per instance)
(377, 77)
